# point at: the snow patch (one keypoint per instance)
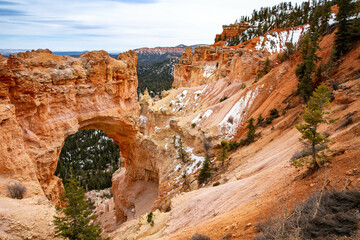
(276, 42)
(196, 161)
(203, 116)
(332, 19)
(142, 120)
(236, 115)
(209, 70)
(197, 93)
(179, 103)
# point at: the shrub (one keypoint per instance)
(198, 236)
(324, 215)
(259, 119)
(149, 217)
(268, 120)
(244, 142)
(193, 125)
(274, 113)
(251, 133)
(243, 86)
(16, 190)
(233, 145)
(216, 184)
(223, 98)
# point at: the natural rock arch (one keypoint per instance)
(44, 98)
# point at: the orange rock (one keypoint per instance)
(44, 98)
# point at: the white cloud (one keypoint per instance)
(118, 26)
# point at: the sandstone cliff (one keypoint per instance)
(232, 30)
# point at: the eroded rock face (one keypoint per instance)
(232, 30)
(210, 63)
(44, 98)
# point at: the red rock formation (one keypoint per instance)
(211, 63)
(232, 30)
(179, 50)
(44, 98)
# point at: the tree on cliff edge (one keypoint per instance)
(74, 221)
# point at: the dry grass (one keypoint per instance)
(16, 190)
(198, 236)
(324, 215)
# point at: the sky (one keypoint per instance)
(117, 25)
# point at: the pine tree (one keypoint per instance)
(182, 154)
(251, 133)
(223, 152)
(304, 71)
(343, 36)
(313, 116)
(205, 171)
(74, 221)
(325, 16)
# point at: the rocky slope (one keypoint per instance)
(254, 175)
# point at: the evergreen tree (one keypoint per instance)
(182, 154)
(304, 71)
(313, 116)
(251, 133)
(75, 219)
(325, 16)
(223, 152)
(205, 171)
(343, 36)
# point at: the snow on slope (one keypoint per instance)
(276, 42)
(236, 115)
(209, 70)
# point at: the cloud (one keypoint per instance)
(8, 3)
(135, 1)
(118, 24)
(11, 12)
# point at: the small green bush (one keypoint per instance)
(149, 217)
(274, 113)
(251, 133)
(193, 125)
(216, 184)
(223, 98)
(233, 145)
(259, 119)
(268, 120)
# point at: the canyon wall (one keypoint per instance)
(210, 63)
(239, 63)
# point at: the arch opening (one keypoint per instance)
(93, 157)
